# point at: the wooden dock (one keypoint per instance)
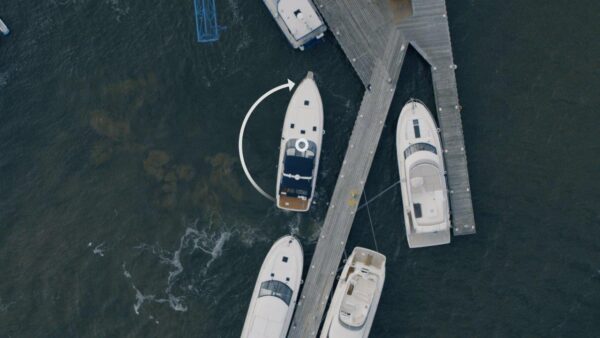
(375, 42)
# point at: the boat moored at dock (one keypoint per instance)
(276, 291)
(356, 296)
(298, 20)
(300, 147)
(3, 28)
(422, 177)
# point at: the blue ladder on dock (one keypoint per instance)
(207, 28)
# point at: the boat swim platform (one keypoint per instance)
(375, 42)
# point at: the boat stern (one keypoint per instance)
(293, 203)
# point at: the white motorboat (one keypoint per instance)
(356, 296)
(300, 147)
(276, 291)
(298, 20)
(422, 177)
(3, 28)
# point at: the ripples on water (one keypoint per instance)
(115, 124)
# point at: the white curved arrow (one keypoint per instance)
(289, 85)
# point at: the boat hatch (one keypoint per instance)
(418, 211)
(416, 128)
(276, 289)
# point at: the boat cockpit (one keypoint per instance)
(298, 166)
(428, 197)
(358, 297)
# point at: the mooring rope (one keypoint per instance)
(370, 220)
(377, 196)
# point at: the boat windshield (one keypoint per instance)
(291, 150)
(277, 289)
(413, 148)
(297, 169)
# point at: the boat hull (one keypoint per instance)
(302, 136)
(418, 145)
(269, 316)
(3, 28)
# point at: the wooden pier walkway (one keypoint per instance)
(375, 43)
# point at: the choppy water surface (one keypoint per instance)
(124, 210)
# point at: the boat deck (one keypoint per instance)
(292, 203)
(375, 40)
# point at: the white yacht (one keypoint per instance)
(274, 296)
(298, 20)
(3, 28)
(300, 147)
(422, 177)
(356, 296)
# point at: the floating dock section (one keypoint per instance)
(374, 36)
(207, 28)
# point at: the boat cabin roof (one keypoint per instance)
(427, 195)
(299, 16)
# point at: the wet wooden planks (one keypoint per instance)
(346, 197)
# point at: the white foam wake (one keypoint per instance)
(191, 241)
(98, 250)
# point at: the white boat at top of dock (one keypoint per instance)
(422, 177)
(356, 296)
(300, 147)
(298, 20)
(276, 291)
(3, 28)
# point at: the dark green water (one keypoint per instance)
(124, 211)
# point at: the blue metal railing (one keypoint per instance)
(207, 28)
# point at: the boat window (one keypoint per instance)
(413, 148)
(284, 259)
(302, 131)
(277, 289)
(306, 102)
(292, 126)
(314, 128)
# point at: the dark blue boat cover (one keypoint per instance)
(295, 165)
